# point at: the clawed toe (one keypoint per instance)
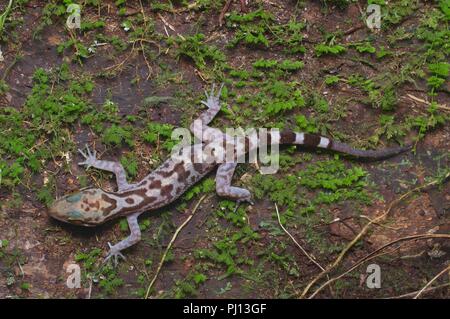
(113, 255)
(213, 93)
(89, 156)
(213, 97)
(82, 153)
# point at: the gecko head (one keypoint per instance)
(89, 207)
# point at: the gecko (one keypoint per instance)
(94, 206)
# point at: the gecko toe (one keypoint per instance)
(82, 153)
(219, 92)
(114, 255)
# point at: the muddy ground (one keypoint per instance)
(375, 93)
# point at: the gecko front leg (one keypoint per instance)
(135, 236)
(223, 185)
(200, 127)
(212, 103)
(109, 166)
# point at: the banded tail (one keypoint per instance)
(317, 141)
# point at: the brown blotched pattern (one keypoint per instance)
(170, 180)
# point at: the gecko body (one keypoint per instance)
(94, 206)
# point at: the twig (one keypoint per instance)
(90, 289)
(431, 281)
(378, 224)
(375, 254)
(295, 241)
(361, 234)
(21, 269)
(170, 245)
(415, 98)
(119, 65)
(149, 68)
(190, 6)
(167, 23)
(225, 9)
(410, 294)
(9, 68)
(354, 29)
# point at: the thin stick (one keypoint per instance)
(9, 68)
(431, 281)
(170, 245)
(354, 29)
(361, 234)
(295, 241)
(225, 9)
(149, 68)
(90, 289)
(378, 224)
(375, 254)
(410, 294)
(442, 107)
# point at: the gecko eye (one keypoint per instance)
(82, 208)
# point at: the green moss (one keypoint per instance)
(157, 133)
(130, 163)
(195, 48)
(39, 131)
(117, 135)
(327, 49)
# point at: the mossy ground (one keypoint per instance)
(137, 69)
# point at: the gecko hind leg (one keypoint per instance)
(223, 185)
(115, 251)
(114, 167)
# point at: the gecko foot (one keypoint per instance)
(213, 97)
(114, 254)
(243, 200)
(90, 157)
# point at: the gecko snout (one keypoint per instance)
(83, 208)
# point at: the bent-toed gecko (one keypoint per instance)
(94, 206)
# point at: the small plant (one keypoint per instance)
(129, 162)
(251, 27)
(157, 133)
(329, 47)
(331, 79)
(284, 97)
(324, 49)
(363, 47)
(194, 48)
(88, 259)
(440, 73)
(306, 125)
(116, 135)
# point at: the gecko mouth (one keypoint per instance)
(67, 213)
(82, 208)
(55, 215)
